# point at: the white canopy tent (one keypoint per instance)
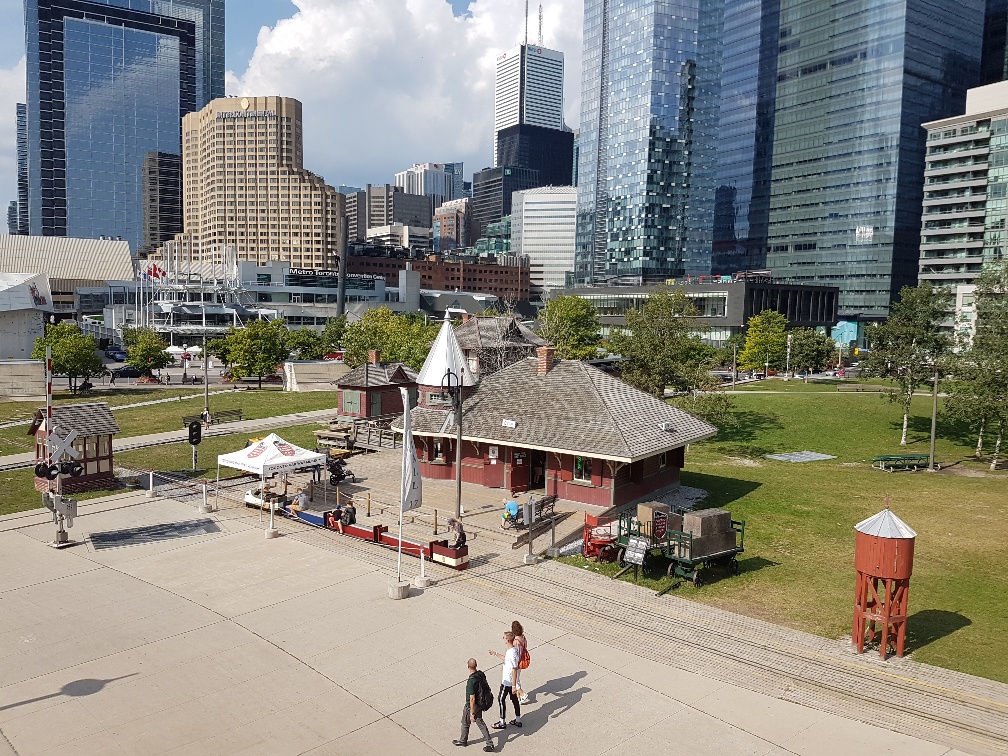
(269, 456)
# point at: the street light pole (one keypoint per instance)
(787, 368)
(206, 379)
(934, 420)
(456, 395)
(734, 365)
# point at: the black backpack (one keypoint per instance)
(484, 696)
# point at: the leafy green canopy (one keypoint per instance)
(571, 325)
(766, 342)
(401, 338)
(661, 345)
(146, 350)
(73, 353)
(258, 349)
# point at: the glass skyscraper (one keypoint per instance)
(649, 114)
(745, 135)
(855, 81)
(22, 169)
(108, 83)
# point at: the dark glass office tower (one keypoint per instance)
(994, 61)
(22, 169)
(492, 189)
(855, 81)
(649, 115)
(109, 82)
(549, 151)
(162, 200)
(745, 135)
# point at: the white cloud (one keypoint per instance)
(12, 91)
(386, 83)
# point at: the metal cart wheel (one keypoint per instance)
(697, 580)
(670, 572)
(621, 557)
(733, 566)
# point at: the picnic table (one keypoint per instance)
(903, 461)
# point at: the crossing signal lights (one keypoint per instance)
(195, 432)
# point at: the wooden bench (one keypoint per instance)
(544, 506)
(331, 438)
(855, 387)
(216, 417)
(904, 461)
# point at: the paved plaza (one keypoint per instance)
(206, 638)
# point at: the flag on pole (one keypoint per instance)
(411, 491)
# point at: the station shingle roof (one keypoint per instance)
(375, 376)
(575, 408)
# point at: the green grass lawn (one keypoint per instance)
(797, 568)
(17, 491)
(136, 421)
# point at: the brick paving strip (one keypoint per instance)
(944, 706)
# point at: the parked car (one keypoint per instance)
(115, 354)
(127, 371)
(801, 376)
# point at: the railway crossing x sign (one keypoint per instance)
(60, 446)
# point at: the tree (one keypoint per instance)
(978, 393)
(258, 348)
(221, 346)
(332, 334)
(810, 349)
(73, 353)
(305, 343)
(908, 345)
(571, 324)
(661, 345)
(146, 350)
(766, 341)
(707, 398)
(401, 338)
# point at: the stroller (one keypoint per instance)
(338, 472)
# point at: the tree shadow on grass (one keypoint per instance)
(721, 491)
(945, 427)
(929, 625)
(747, 427)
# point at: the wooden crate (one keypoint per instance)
(706, 522)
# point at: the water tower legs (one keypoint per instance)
(880, 606)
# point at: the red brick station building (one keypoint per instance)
(557, 426)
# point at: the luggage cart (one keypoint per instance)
(677, 548)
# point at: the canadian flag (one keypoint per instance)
(155, 272)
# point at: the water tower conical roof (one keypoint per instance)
(445, 355)
(885, 525)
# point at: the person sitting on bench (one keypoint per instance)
(458, 532)
(511, 510)
(300, 501)
(348, 516)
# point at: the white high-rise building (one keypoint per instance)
(436, 180)
(543, 225)
(528, 89)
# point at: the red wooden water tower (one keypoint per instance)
(883, 558)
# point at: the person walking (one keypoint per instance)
(472, 713)
(521, 643)
(509, 683)
(458, 534)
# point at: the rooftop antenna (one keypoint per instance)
(526, 23)
(540, 25)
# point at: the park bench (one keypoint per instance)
(332, 438)
(222, 416)
(544, 506)
(904, 461)
(855, 387)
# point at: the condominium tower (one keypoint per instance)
(855, 81)
(647, 161)
(246, 190)
(109, 82)
(440, 181)
(966, 190)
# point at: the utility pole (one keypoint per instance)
(206, 377)
(734, 365)
(787, 369)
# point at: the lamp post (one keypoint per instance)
(787, 368)
(734, 365)
(185, 362)
(934, 420)
(766, 367)
(456, 399)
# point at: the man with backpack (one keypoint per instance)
(479, 698)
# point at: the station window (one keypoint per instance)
(582, 468)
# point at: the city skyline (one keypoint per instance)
(272, 48)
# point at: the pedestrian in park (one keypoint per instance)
(112, 377)
(472, 713)
(521, 643)
(458, 534)
(205, 417)
(510, 682)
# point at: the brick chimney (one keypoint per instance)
(374, 357)
(465, 317)
(545, 355)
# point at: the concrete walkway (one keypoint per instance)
(15, 461)
(226, 642)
